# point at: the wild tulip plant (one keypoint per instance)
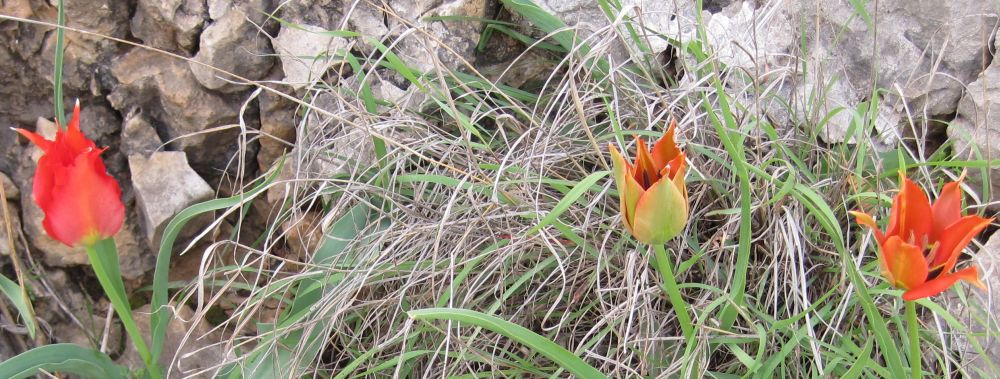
(83, 207)
(654, 205)
(920, 248)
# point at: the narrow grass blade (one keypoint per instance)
(160, 317)
(568, 200)
(62, 357)
(14, 293)
(562, 357)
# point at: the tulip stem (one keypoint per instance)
(104, 259)
(663, 266)
(912, 329)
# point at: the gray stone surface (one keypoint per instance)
(976, 127)
(277, 126)
(924, 53)
(234, 44)
(166, 92)
(164, 185)
(305, 53)
(139, 136)
(169, 24)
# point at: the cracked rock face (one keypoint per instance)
(166, 92)
(976, 127)
(164, 185)
(924, 53)
(306, 52)
(233, 43)
(169, 24)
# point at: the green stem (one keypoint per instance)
(104, 259)
(912, 329)
(57, 75)
(663, 266)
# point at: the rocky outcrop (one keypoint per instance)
(165, 91)
(975, 130)
(164, 185)
(923, 54)
(170, 25)
(232, 44)
(306, 52)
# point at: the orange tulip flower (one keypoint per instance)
(651, 192)
(81, 202)
(922, 244)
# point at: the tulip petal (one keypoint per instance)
(645, 170)
(865, 219)
(943, 282)
(73, 138)
(906, 263)
(911, 216)
(85, 202)
(954, 239)
(36, 139)
(947, 209)
(629, 191)
(677, 176)
(660, 214)
(665, 149)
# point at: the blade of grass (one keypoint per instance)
(62, 357)
(562, 357)
(57, 75)
(161, 317)
(568, 200)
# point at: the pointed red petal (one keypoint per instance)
(947, 209)
(865, 219)
(36, 139)
(665, 150)
(942, 283)
(911, 217)
(72, 139)
(955, 238)
(906, 262)
(645, 170)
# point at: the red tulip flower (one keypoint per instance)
(652, 192)
(922, 244)
(81, 202)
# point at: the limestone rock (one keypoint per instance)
(364, 17)
(234, 44)
(165, 185)
(659, 18)
(305, 52)
(166, 92)
(452, 42)
(170, 24)
(84, 53)
(139, 136)
(924, 53)
(277, 126)
(976, 127)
